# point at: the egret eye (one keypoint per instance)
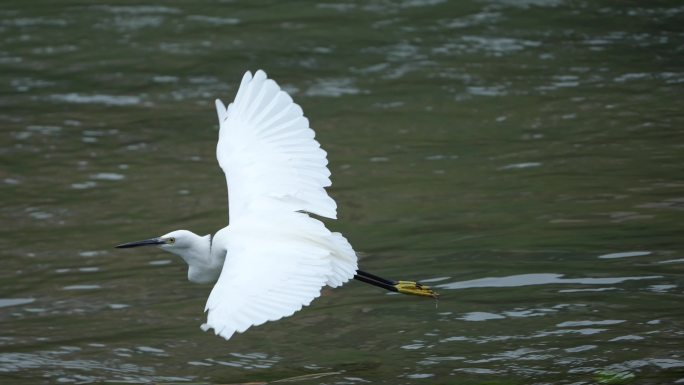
(172, 240)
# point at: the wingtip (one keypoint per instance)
(260, 74)
(225, 332)
(247, 76)
(220, 105)
(220, 110)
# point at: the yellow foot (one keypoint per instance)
(415, 288)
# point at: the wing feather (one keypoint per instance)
(277, 257)
(272, 269)
(267, 150)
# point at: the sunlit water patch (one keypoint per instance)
(6, 302)
(537, 279)
(626, 254)
(111, 100)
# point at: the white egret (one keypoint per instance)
(273, 258)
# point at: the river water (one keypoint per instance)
(524, 157)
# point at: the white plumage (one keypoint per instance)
(277, 257)
(273, 258)
(269, 154)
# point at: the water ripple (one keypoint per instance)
(6, 302)
(519, 280)
(626, 254)
(109, 100)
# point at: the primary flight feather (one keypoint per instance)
(273, 258)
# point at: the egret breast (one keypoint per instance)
(203, 275)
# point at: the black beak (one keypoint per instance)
(146, 242)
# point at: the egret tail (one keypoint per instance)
(404, 287)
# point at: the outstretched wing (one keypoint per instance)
(277, 257)
(274, 266)
(269, 154)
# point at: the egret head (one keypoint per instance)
(193, 249)
(175, 240)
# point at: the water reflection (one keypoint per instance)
(247, 361)
(82, 287)
(625, 254)
(109, 100)
(519, 280)
(333, 88)
(60, 365)
(5, 302)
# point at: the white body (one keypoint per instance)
(273, 258)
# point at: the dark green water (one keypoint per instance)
(525, 157)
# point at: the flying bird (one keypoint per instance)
(276, 174)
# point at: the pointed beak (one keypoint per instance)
(146, 242)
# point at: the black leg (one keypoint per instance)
(374, 282)
(404, 287)
(375, 277)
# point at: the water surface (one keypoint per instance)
(524, 157)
